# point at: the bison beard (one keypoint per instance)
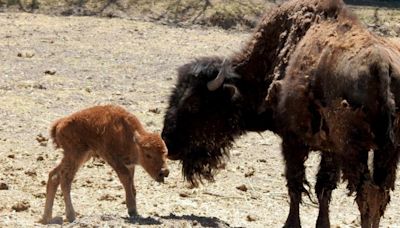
(315, 76)
(203, 163)
(200, 125)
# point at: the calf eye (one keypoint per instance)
(149, 156)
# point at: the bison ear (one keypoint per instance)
(232, 90)
(219, 80)
(136, 137)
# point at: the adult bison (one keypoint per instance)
(315, 76)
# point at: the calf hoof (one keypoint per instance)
(44, 220)
(71, 218)
(56, 220)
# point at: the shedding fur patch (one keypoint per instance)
(54, 177)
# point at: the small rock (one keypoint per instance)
(41, 195)
(11, 156)
(235, 153)
(155, 110)
(251, 218)
(31, 173)
(107, 218)
(21, 206)
(39, 86)
(26, 54)
(262, 160)
(40, 158)
(43, 182)
(40, 138)
(88, 90)
(3, 186)
(183, 194)
(150, 123)
(50, 72)
(107, 197)
(249, 173)
(242, 188)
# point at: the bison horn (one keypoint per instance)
(233, 90)
(217, 82)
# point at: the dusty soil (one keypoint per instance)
(53, 66)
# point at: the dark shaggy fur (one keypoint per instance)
(193, 116)
(314, 75)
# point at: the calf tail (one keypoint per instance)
(53, 133)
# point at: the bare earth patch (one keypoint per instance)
(53, 66)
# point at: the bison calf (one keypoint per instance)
(115, 135)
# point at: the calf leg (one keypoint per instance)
(327, 178)
(125, 175)
(295, 155)
(51, 189)
(69, 166)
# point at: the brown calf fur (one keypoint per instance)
(113, 134)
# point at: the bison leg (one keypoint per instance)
(355, 171)
(295, 155)
(327, 178)
(384, 176)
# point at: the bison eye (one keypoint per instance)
(149, 156)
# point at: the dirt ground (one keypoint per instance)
(53, 66)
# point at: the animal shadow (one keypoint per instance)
(139, 220)
(203, 221)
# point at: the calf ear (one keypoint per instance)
(232, 91)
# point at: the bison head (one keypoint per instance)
(203, 117)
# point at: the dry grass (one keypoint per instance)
(227, 14)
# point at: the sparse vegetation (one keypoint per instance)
(227, 14)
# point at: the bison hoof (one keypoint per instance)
(133, 213)
(292, 223)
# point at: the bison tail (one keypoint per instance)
(388, 105)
